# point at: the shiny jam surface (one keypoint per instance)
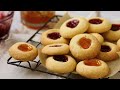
(73, 23)
(85, 43)
(92, 62)
(61, 58)
(115, 27)
(54, 35)
(95, 21)
(25, 47)
(56, 46)
(105, 48)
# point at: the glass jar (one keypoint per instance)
(36, 19)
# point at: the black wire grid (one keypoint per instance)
(36, 64)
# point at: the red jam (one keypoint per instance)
(105, 48)
(54, 35)
(73, 23)
(56, 46)
(92, 62)
(61, 58)
(95, 21)
(25, 47)
(85, 43)
(115, 27)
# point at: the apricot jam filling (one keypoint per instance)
(92, 62)
(25, 47)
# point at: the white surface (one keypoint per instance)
(19, 33)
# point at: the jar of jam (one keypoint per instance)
(36, 19)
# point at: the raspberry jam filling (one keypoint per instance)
(61, 58)
(115, 27)
(105, 48)
(25, 47)
(73, 23)
(85, 43)
(92, 62)
(95, 21)
(56, 46)
(54, 35)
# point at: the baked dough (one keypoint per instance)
(60, 66)
(84, 46)
(74, 26)
(98, 36)
(108, 52)
(23, 51)
(56, 49)
(98, 25)
(55, 37)
(113, 34)
(118, 43)
(93, 72)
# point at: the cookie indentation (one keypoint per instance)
(105, 48)
(115, 27)
(25, 47)
(92, 62)
(61, 58)
(95, 21)
(73, 23)
(54, 35)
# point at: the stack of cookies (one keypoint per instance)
(81, 45)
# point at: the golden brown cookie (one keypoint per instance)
(56, 49)
(23, 51)
(98, 36)
(98, 25)
(93, 69)
(108, 52)
(84, 46)
(74, 26)
(61, 64)
(118, 43)
(52, 36)
(113, 34)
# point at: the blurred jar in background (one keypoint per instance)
(36, 19)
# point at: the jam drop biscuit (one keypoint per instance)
(52, 36)
(93, 69)
(23, 51)
(108, 52)
(113, 34)
(84, 46)
(118, 43)
(98, 25)
(56, 49)
(61, 64)
(98, 36)
(73, 27)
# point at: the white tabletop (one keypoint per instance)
(19, 34)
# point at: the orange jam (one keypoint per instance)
(85, 43)
(25, 47)
(92, 62)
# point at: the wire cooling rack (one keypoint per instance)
(36, 64)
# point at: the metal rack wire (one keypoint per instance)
(36, 64)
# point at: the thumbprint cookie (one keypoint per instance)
(73, 27)
(99, 37)
(23, 51)
(113, 34)
(52, 36)
(108, 52)
(93, 69)
(98, 25)
(56, 49)
(84, 46)
(61, 64)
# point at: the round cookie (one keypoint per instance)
(98, 36)
(23, 51)
(61, 64)
(74, 26)
(84, 46)
(113, 34)
(52, 36)
(108, 52)
(93, 69)
(98, 25)
(56, 49)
